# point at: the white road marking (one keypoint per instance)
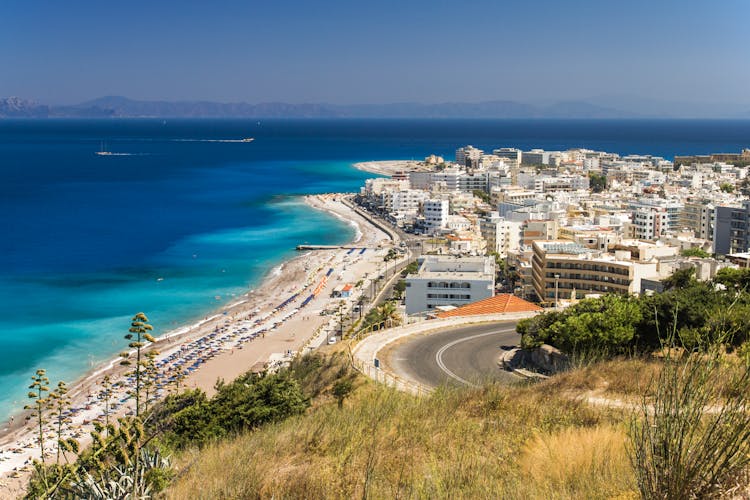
(439, 354)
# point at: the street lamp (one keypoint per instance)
(557, 279)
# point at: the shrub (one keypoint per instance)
(687, 440)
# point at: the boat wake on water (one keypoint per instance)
(248, 139)
(109, 153)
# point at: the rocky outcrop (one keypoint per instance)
(544, 359)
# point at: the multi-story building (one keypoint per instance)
(449, 281)
(561, 269)
(468, 156)
(535, 157)
(435, 215)
(698, 215)
(732, 229)
(513, 155)
(502, 236)
(532, 230)
(474, 181)
(649, 223)
(450, 179)
(672, 208)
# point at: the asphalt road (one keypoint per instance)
(465, 355)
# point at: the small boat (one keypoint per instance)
(247, 139)
(103, 152)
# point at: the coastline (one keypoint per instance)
(390, 167)
(241, 336)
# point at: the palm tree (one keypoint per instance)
(388, 315)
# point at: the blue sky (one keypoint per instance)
(351, 51)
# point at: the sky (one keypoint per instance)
(351, 51)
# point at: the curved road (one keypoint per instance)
(465, 355)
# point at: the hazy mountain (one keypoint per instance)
(15, 107)
(488, 109)
(656, 108)
(599, 107)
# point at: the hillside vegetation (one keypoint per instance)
(518, 442)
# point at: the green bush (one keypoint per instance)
(192, 419)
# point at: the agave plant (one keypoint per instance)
(122, 482)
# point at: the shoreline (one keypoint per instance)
(250, 332)
(389, 167)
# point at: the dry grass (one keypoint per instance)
(385, 444)
(619, 377)
(578, 463)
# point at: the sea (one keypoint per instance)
(184, 218)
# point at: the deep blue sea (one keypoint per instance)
(85, 238)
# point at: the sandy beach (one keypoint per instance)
(291, 312)
(390, 167)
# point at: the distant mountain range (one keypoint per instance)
(116, 106)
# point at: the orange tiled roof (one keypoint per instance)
(499, 304)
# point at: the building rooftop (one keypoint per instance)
(499, 304)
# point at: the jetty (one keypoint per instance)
(326, 247)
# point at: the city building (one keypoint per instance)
(449, 281)
(435, 215)
(513, 155)
(468, 156)
(564, 270)
(500, 234)
(732, 229)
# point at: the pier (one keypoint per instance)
(326, 247)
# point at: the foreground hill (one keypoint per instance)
(495, 442)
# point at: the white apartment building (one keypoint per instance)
(672, 207)
(649, 223)
(449, 281)
(406, 202)
(435, 215)
(502, 236)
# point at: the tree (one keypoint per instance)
(606, 325)
(341, 390)
(726, 187)
(482, 195)
(399, 289)
(39, 395)
(411, 268)
(597, 182)
(733, 278)
(60, 403)
(106, 395)
(139, 331)
(682, 278)
(150, 377)
(695, 252)
(388, 315)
